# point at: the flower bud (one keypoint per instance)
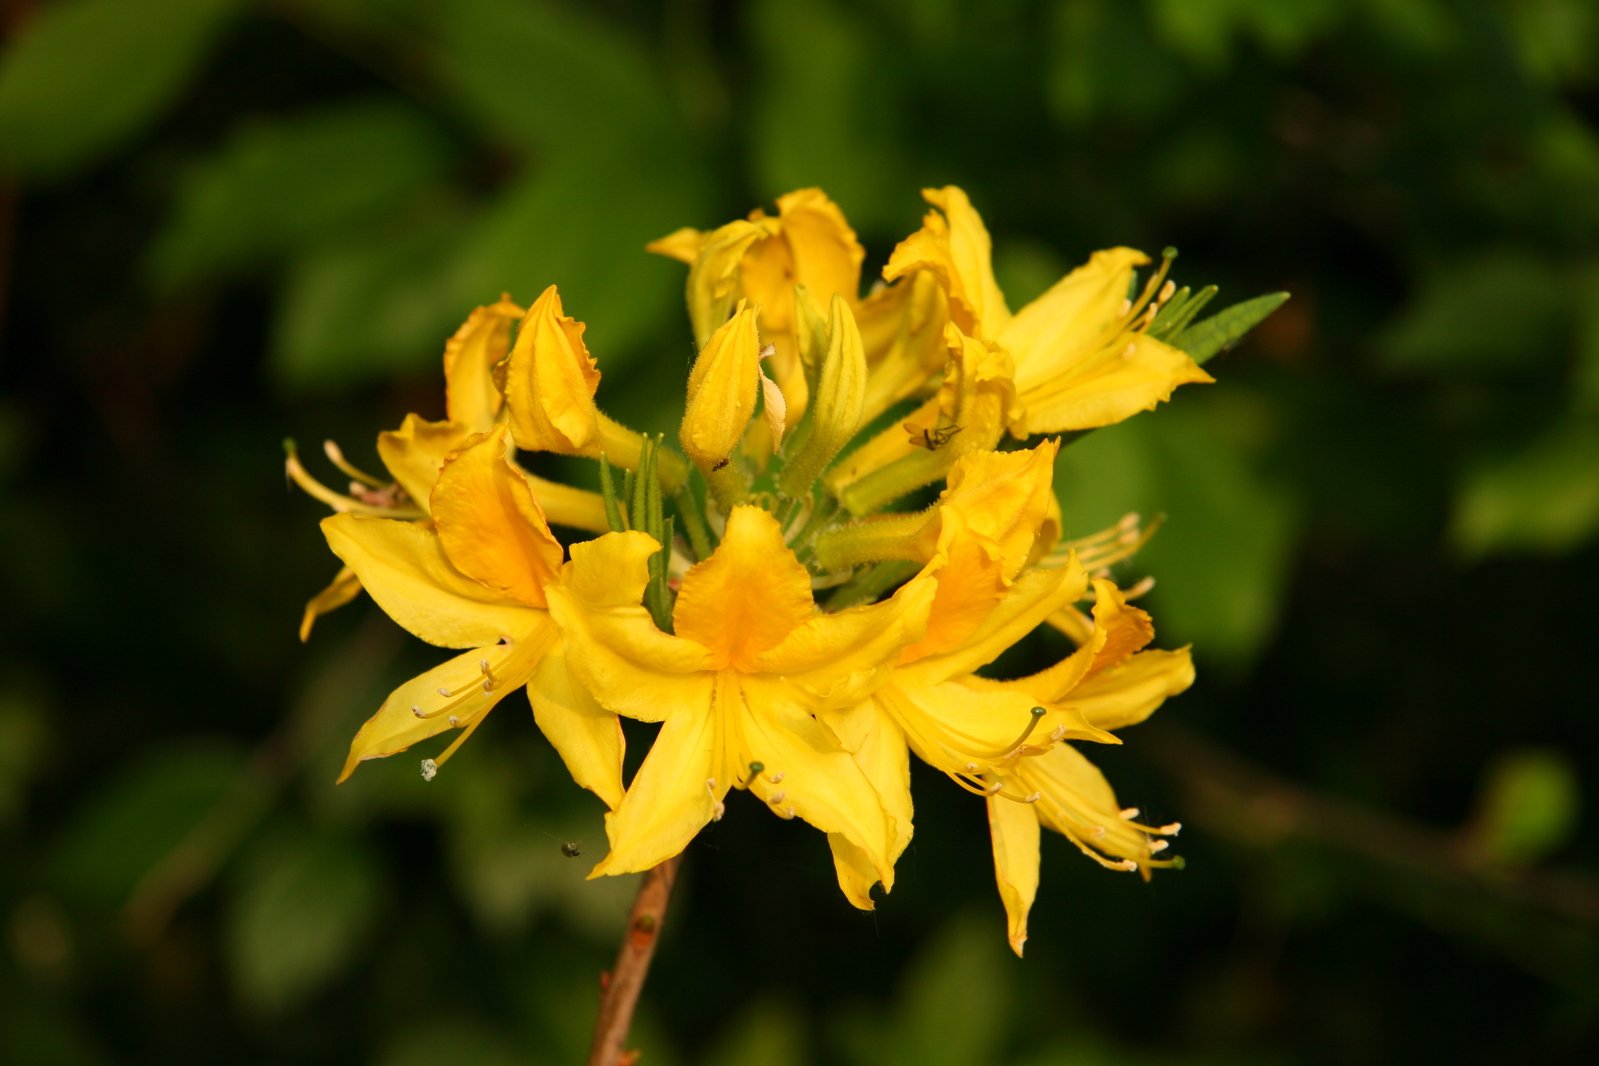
(838, 391)
(721, 391)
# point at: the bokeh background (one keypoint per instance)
(224, 222)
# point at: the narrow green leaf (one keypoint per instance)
(1226, 328)
(84, 76)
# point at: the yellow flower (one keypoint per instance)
(476, 579)
(735, 688)
(809, 243)
(1004, 740)
(474, 403)
(1110, 682)
(1082, 358)
(550, 381)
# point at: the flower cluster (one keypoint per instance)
(754, 594)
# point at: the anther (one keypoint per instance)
(446, 693)
(430, 769)
(1096, 831)
(777, 797)
(1127, 305)
(1131, 350)
(1127, 864)
(776, 779)
(1157, 846)
(1032, 797)
(1171, 829)
(971, 768)
(419, 712)
(993, 788)
(1057, 734)
(1129, 814)
(1167, 291)
(787, 813)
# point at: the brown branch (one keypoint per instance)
(619, 989)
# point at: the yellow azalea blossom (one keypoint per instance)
(735, 688)
(809, 243)
(1082, 358)
(474, 403)
(477, 579)
(1109, 682)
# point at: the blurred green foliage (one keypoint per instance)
(225, 220)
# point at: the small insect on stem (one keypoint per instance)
(721, 464)
(931, 437)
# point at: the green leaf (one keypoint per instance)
(548, 78)
(1226, 328)
(1542, 498)
(135, 819)
(368, 309)
(299, 912)
(1529, 807)
(85, 76)
(285, 184)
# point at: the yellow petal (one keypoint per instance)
(825, 251)
(550, 381)
(838, 658)
(489, 524)
(1034, 597)
(714, 278)
(748, 596)
(673, 795)
(955, 725)
(403, 568)
(612, 644)
(344, 587)
(586, 736)
(820, 782)
(416, 451)
(722, 388)
(1013, 827)
(855, 872)
(955, 247)
(902, 332)
(775, 409)
(1129, 693)
(1130, 375)
(472, 398)
(877, 745)
(1078, 802)
(1073, 317)
(681, 244)
(454, 695)
(971, 583)
(1004, 497)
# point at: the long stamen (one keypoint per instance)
(337, 500)
(335, 456)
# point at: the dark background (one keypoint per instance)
(225, 222)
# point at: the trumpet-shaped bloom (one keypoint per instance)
(1082, 358)
(735, 688)
(476, 579)
(809, 243)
